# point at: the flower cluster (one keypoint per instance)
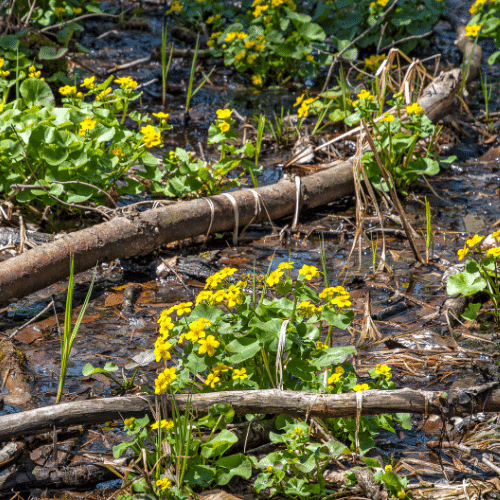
(176, 6)
(374, 61)
(304, 104)
(473, 30)
(165, 378)
(33, 73)
(151, 136)
(126, 83)
(414, 109)
(223, 116)
(86, 124)
(68, 90)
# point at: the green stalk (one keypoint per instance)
(191, 78)
(68, 336)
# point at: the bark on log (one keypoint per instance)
(485, 398)
(141, 233)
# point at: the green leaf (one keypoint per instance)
(9, 42)
(51, 53)
(234, 465)
(36, 92)
(219, 444)
(244, 348)
(461, 283)
(333, 356)
(404, 420)
(471, 311)
(200, 475)
(341, 319)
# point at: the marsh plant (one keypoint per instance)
(238, 335)
(480, 274)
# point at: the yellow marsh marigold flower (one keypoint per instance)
(384, 370)
(1, 107)
(473, 9)
(241, 35)
(240, 374)
(257, 80)
(161, 115)
(224, 127)
(476, 239)
(387, 117)
(334, 378)
(182, 308)
(211, 380)
(224, 114)
(77, 10)
(86, 124)
(388, 468)
(462, 252)
(309, 272)
(341, 301)
(164, 424)
(151, 136)
(382, 3)
(493, 252)
(260, 46)
(221, 368)
(2, 61)
(309, 58)
(286, 265)
(67, 90)
(298, 431)
(59, 10)
(414, 108)
(208, 345)
(249, 44)
(308, 308)
(3, 73)
(361, 387)
(299, 100)
(340, 370)
(163, 484)
(230, 37)
(161, 349)
(364, 94)
(126, 82)
(165, 378)
(210, 20)
(259, 9)
(496, 234)
(240, 55)
(118, 151)
(473, 30)
(88, 83)
(320, 345)
(274, 277)
(129, 422)
(103, 94)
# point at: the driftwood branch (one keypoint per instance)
(485, 398)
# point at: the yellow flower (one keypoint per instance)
(118, 151)
(341, 301)
(473, 9)
(257, 80)
(286, 265)
(473, 30)
(211, 380)
(151, 136)
(361, 387)
(415, 108)
(270, 468)
(59, 10)
(241, 35)
(126, 82)
(129, 421)
(164, 380)
(462, 252)
(382, 3)
(401, 494)
(387, 117)
(299, 100)
(182, 308)
(384, 370)
(175, 7)
(163, 484)
(334, 378)
(309, 58)
(274, 277)
(252, 58)
(240, 374)
(259, 9)
(221, 368)
(164, 424)
(373, 61)
(161, 349)
(88, 124)
(476, 239)
(249, 44)
(224, 114)
(320, 345)
(493, 252)
(388, 468)
(340, 370)
(88, 83)
(1, 107)
(260, 46)
(309, 272)
(230, 37)
(210, 20)
(240, 55)
(67, 90)
(298, 431)
(77, 10)
(303, 110)
(2, 60)
(308, 308)
(224, 127)
(364, 94)
(496, 234)
(103, 94)
(5, 73)
(208, 345)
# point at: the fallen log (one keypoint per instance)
(137, 234)
(485, 398)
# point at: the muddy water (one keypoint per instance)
(409, 334)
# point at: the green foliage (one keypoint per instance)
(480, 274)
(88, 370)
(485, 23)
(68, 336)
(280, 39)
(270, 337)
